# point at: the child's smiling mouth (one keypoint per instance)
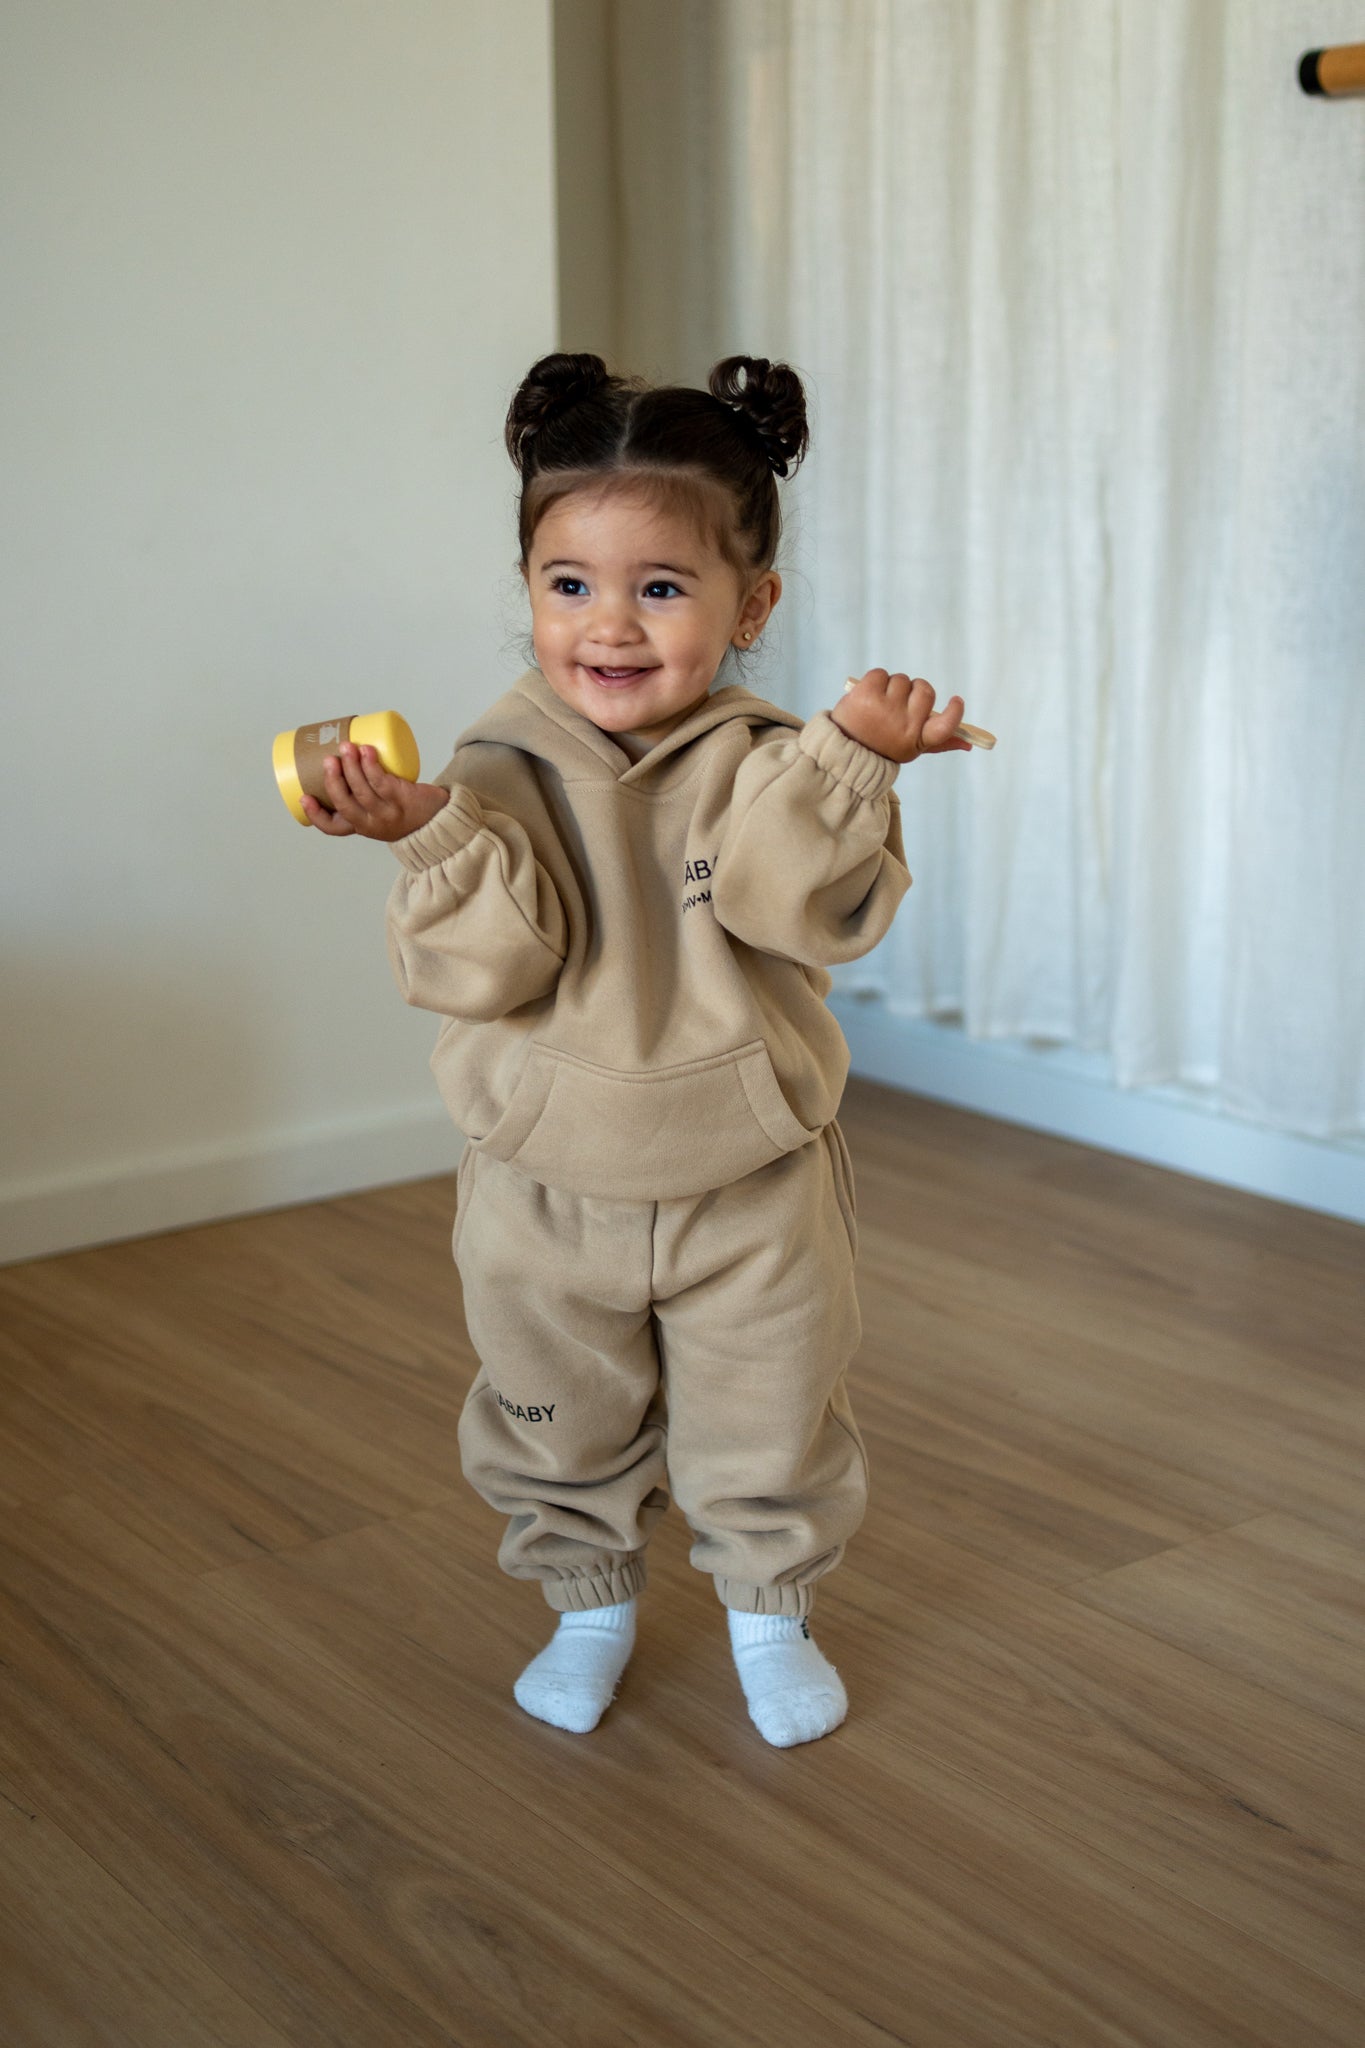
(616, 678)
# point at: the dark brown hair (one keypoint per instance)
(711, 454)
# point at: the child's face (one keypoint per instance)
(632, 610)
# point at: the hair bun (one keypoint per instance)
(549, 387)
(768, 397)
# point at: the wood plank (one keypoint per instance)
(83, 1964)
(200, 1446)
(1276, 1602)
(353, 1880)
(1056, 1504)
(1188, 1351)
(1202, 1783)
(959, 1203)
(1173, 1232)
(897, 1865)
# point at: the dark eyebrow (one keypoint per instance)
(671, 567)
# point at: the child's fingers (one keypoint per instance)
(341, 791)
(338, 789)
(946, 711)
(940, 726)
(378, 774)
(363, 792)
(379, 791)
(940, 734)
(325, 820)
(357, 781)
(916, 705)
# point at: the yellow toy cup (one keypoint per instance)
(299, 755)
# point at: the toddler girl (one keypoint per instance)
(621, 897)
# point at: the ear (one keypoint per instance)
(756, 609)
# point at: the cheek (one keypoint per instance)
(687, 628)
(554, 642)
(710, 626)
(549, 628)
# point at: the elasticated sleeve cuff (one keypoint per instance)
(448, 832)
(861, 769)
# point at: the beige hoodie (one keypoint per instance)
(629, 955)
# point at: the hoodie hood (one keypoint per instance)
(534, 719)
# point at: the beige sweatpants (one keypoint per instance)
(698, 1344)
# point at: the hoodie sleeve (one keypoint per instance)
(811, 864)
(475, 924)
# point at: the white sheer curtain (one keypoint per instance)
(1078, 289)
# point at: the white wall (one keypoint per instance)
(271, 272)
(587, 175)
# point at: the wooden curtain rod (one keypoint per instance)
(1333, 72)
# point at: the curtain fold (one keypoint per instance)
(1078, 291)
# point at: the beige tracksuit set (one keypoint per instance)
(655, 1231)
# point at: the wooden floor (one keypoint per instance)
(262, 1780)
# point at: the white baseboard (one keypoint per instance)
(176, 1192)
(1072, 1095)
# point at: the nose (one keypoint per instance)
(612, 622)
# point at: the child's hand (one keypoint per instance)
(896, 717)
(366, 799)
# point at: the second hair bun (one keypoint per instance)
(771, 399)
(549, 388)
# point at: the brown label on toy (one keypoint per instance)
(312, 745)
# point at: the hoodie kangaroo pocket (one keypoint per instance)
(645, 1136)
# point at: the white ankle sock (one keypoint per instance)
(571, 1682)
(794, 1693)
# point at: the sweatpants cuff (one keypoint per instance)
(797, 1600)
(596, 1589)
